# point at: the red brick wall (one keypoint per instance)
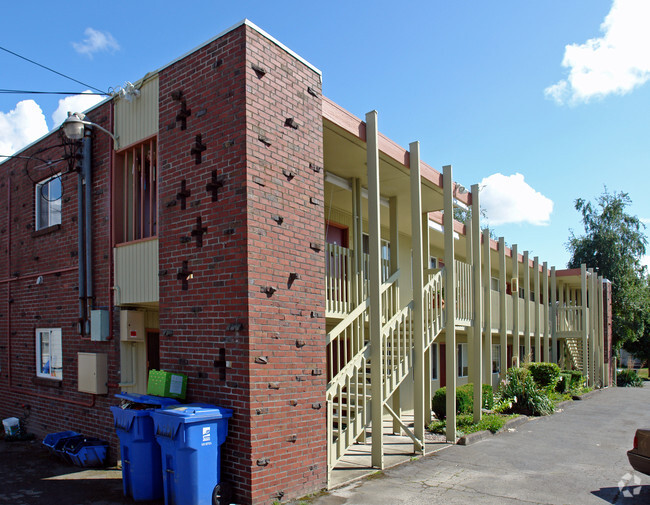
(25, 306)
(198, 326)
(287, 328)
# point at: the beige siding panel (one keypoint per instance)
(136, 272)
(138, 119)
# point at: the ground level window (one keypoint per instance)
(496, 358)
(49, 353)
(462, 360)
(48, 202)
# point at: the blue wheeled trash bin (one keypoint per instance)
(189, 438)
(141, 465)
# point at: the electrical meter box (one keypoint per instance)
(99, 325)
(131, 326)
(93, 372)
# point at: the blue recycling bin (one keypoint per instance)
(189, 438)
(141, 465)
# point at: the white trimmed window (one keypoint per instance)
(462, 360)
(49, 353)
(496, 358)
(48, 202)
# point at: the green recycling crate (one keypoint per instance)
(167, 384)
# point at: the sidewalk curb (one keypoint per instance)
(472, 438)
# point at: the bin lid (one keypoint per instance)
(159, 401)
(197, 412)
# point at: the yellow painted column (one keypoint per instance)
(515, 306)
(418, 296)
(546, 340)
(538, 349)
(450, 302)
(487, 309)
(526, 307)
(585, 322)
(477, 293)
(374, 277)
(554, 357)
(503, 312)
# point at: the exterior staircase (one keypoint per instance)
(349, 390)
(575, 353)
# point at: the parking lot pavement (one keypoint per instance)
(577, 456)
(31, 476)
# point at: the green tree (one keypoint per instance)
(614, 242)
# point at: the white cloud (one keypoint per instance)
(95, 42)
(509, 199)
(616, 63)
(21, 126)
(75, 103)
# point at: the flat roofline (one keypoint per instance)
(252, 25)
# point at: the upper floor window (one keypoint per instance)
(49, 353)
(48, 202)
(136, 192)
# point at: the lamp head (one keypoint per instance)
(73, 126)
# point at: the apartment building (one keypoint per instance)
(226, 221)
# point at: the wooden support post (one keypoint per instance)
(418, 295)
(554, 356)
(477, 291)
(427, 356)
(585, 323)
(357, 241)
(545, 312)
(537, 355)
(592, 328)
(394, 267)
(503, 313)
(450, 306)
(515, 307)
(374, 276)
(527, 355)
(487, 309)
(601, 333)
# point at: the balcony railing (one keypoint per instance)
(569, 319)
(464, 300)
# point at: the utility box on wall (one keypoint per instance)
(93, 372)
(99, 325)
(132, 326)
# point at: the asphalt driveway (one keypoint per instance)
(577, 456)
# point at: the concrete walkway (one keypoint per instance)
(577, 456)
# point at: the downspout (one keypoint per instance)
(80, 251)
(87, 175)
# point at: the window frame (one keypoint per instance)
(55, 364)
(39, 201)
(463, 361)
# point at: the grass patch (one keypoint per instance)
(557, 397)
(643, 373)
(465, 424)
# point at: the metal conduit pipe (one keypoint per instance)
(87, 175)
(80, 251)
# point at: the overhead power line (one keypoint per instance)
(31, 92)
(52, 70)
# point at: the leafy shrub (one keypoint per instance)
(628, 379)
(564, 384)
(519, 394)
(545, 375)
(464, 400)
(465, 423)
(577, 379)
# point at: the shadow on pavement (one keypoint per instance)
(31, 475)
(631, 495)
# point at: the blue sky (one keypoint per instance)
(482, 85)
